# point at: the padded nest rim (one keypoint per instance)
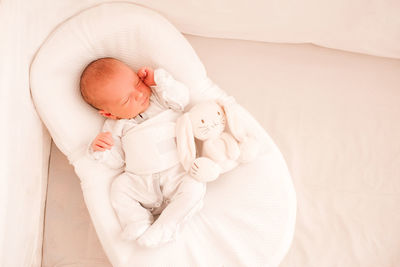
(249, 213)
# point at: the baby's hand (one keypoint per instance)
(146, 74)
(102, 142)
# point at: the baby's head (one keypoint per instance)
(113, 88)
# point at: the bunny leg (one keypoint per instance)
(249, 149)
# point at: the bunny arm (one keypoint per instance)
(249, 149)
(204, 169)
(214, 149)
(232, 147)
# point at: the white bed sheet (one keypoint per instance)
(333, 116)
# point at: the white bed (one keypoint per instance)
(333, 114)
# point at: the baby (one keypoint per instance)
(139, 134)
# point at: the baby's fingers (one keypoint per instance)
(103, 144)
(142, 73)
(107, 139)
(98, 148)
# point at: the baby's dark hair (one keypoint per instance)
(100, 69)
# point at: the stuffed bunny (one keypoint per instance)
(221, 151)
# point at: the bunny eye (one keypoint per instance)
(219, 113)
(202, 121)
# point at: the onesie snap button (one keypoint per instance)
(157, 204)
(167, 201)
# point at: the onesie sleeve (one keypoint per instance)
(114, 157)
(172, 93)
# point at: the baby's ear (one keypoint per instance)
(107, 115)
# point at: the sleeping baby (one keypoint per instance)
(154, 195)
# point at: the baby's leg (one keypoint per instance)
(185, 202)
(134, 218)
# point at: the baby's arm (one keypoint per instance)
(106, 147)
(172, 93)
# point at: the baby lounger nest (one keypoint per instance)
(249, 213)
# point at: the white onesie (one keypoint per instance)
(154, 181)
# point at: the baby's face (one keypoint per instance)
(124, 96)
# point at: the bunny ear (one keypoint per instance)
(236, 122)
(241, 123)
(252, 126)
(226, 101)
(185, 141)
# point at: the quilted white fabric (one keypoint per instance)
(249, 213)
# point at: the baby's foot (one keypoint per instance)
(157, 235)
(134, 230)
